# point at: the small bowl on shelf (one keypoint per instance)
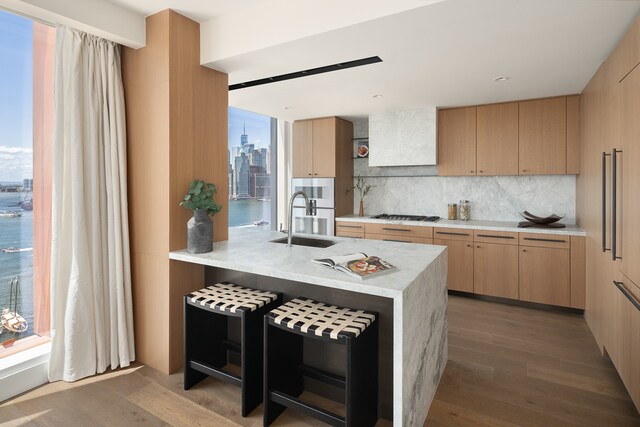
(363, 151)
(541, 220)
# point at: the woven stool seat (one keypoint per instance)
(227, 297)
(328, 321)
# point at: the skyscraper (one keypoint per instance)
(244, 139)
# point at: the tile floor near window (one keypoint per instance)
(507, 366)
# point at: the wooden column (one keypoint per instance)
(176, 131)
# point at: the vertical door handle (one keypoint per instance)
(604, 202)
(614, 207)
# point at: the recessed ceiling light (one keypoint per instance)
(377, 95)
(288, 108)
(500, 79)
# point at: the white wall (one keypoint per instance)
(497, 198)
(98, 17)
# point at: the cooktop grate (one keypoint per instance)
(398, 217)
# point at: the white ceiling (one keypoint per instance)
(442, 54)
(198, 10)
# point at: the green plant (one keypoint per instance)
(200, 196)
(362, 186)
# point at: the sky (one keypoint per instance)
(16, 142)
(258, 128)
(16, 41)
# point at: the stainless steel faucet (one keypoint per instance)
(309, 207)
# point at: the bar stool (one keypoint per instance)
(285, 328)
(207, 347)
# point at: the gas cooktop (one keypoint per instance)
(396, 217)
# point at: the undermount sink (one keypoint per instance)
(306, 241)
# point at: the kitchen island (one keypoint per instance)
(411, 302)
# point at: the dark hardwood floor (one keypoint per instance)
(507, 366)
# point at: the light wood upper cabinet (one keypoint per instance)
(543, 136)
(537, 137)
(460, 259)
(545, 275)
(629, 160)
(324, 148)
(495, 270)
(497, 139)
(573, 134)
(303, 149)
(321, 147)
(457, 141)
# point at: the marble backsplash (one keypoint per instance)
(498, 198)
(418, 190)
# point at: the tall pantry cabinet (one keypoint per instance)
(609, 203)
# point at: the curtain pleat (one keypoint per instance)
(91, 308)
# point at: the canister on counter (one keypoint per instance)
(453, 211)
(465, 210)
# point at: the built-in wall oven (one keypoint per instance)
(321, 192)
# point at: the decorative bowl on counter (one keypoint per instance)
(541, 220)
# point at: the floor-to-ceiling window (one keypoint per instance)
(26, 131)
(252, 169)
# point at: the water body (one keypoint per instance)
(16, 233)
(247, 212)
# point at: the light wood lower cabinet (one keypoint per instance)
(545, 275)
(400, 239)
(460, 264)
(626, 329)
(350, 229)
(495, 270)
(535, 267)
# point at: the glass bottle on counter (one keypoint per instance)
(465, 210)
(453, 211)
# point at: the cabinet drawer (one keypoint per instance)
(545, 240)
(399, 230)
(453, 234)
(350, 225)
(502, 237)
(350, 229)
(350, 233)
(403, 239)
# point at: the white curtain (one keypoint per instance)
(91, 309)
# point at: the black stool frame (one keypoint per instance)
(206, 346)
(284, 371)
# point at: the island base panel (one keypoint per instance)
(323, 355)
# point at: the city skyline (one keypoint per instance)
(16, 75)
(249, 157)
(258, 128)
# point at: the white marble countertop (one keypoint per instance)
(569, 230)
(251, 251)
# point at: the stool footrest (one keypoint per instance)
(215, 372)
(323, 376)
(232, 346)
(307, 408)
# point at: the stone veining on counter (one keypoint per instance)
(569, 230)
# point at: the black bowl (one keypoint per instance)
(539, 220)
